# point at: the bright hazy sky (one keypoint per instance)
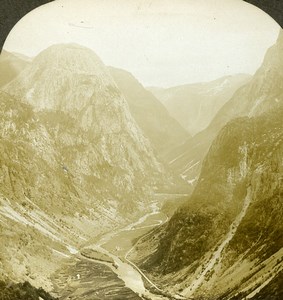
(162, 42)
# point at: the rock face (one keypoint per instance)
(72, 84)
(195, 105)
(74, 163)
(261, 93)
(227, 242)
(164, 132)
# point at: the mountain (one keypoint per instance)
(226, 242)
(152, 117)
(195, 105)
(11, 64)
(74, 163)
(261, 93)
(71, 82)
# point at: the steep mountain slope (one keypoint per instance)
(195, 105)
(227, 241)
(262, 93)
(74, 163)
(71, 81)
(152, 117)
(10, 66)
(36, 195)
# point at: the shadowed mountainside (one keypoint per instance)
(227, 239)
(152, 117)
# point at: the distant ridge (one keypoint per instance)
(195, 105)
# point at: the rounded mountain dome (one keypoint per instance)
(71, 57)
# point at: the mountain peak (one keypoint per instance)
(65, 77)
(71, 57)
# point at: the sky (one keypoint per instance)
(162, 43)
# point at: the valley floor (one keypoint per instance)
(103, 270)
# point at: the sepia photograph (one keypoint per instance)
(141, 152)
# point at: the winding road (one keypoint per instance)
(126, 270)
(216, 256)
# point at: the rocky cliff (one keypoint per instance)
(86, 115)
